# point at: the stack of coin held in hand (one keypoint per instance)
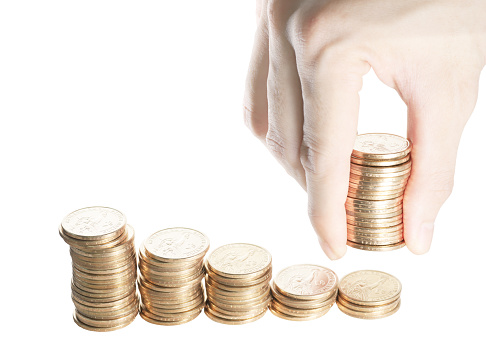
(171, 276)
(303, 292)
(237, 283)
(104, 268)
(369, 294)
(380, 167)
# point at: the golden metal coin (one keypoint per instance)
(216, 318)
(239, 260)
(106, 323)
(376, 248)
(177, 244)
(382, 170)
(381, 146)
(374, 215)
(94, 223)
(380, 163)
(369, 288)
(306, 282)
(366, 315)
(98, 329)
(295, 318)
(370, 309)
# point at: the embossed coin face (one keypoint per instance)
(177, 243)
(381, 146)
(306, 280)
(239, 259)
(369, 286)
(94, 223)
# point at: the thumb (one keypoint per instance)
(436, 119)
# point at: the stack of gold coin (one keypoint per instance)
(104, 268)
(369, 294)
(237, 283)
(171, 276)
(303, 292)
(380, 167)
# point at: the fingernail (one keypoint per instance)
(329, 251)
(423, 240)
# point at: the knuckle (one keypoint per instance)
(276, 15)
(312, 157)
(278, 146)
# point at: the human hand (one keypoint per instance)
(302, 95)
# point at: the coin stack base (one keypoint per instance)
(380, 167)
(104, 268)
(369, 294)
(303, 292)
(171, 276)
(237, 283)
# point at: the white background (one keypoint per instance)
(137, 106)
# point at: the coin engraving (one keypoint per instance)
(306, 279)
(176, 243)
(239, 258)
(93, 221)
(380, 143)
(370, 285)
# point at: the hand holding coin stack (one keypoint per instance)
(104, 268)
(369, 294)
(380, 167)
(303, 292)
(171, 275)
(237, 283)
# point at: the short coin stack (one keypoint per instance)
(237, 283)
(303, 292)
(171, 275)
(369, 294)
(104, 268)
(380, 167)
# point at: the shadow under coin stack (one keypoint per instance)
(303, 292)
(171, 276)
(104, 268)
(380, 167)
(369, 294)
(237, 283)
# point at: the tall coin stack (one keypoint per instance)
(303, 292)
(237, 283)
(171, 275)
(380, 167)
(104, 268)
(369, 294)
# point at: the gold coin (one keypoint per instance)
(369, 230)
(147, 316)
(103, 306)
(216, 318)
(377, 169)
(370, 309)
(106, 323)
(98, 329)
(374, 204)
(306, 282)
(378, 179)
(177, 244)
(377, 187)
(291, 302)
(366, 315)
(292, 311)
(369, 288)
(251, 280)
(375, 197)
(366, 173)
(295, 318)
(376, 241)
(94, 223)
(374, 215)
(376, 248)
(380, 163)
(381, 146)
(239, 260)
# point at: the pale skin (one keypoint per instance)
(302, 95)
